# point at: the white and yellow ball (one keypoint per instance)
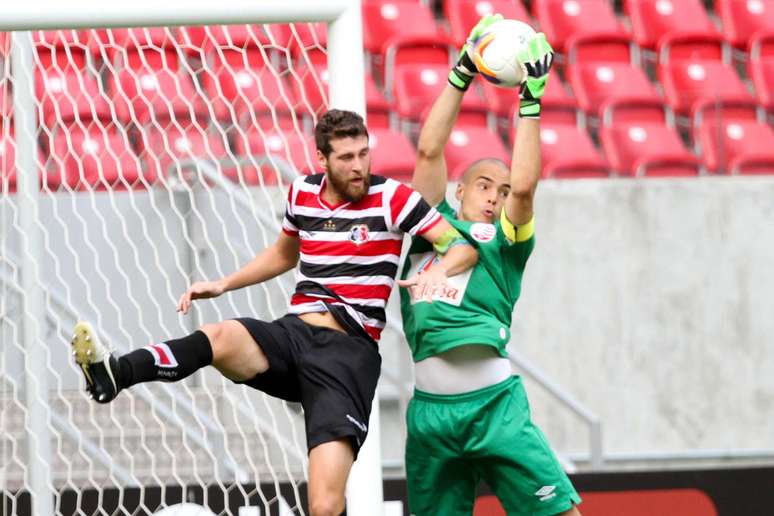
(495, 52)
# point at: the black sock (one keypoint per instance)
(169, 361)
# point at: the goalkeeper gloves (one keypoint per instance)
(537, 57)
(463, 72)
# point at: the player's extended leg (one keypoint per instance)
(329, 465)
(226, 345)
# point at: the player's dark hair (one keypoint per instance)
(336, 124)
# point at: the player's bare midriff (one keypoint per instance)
(321, 319)
(461, 369)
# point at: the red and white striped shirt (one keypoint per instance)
(349, 253)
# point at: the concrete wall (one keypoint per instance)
(650, 301)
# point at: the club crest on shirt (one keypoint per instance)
(358, 234)
(482, 232)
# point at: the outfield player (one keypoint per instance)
(469, 417)
(345, 228)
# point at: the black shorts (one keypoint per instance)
(331, 373)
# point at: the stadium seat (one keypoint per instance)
(398, 33)
(558, 105)
(206, 42)
(568, 153)
(61, 49)
(760, 68)
(654, 20)
(742, 19)
(647, 149)
(693, 87)
(146, 95)
(68, 95)
(621, 90)
(417, 86)
(311, 86)
(388, 22)
(561, 20)
(736, 146)
(137, 48)
(392, 154)
(163, 150)
(306, 42)
(243, 93)
(289, 150)
(470, 143)
(97, 159)
(464, 14)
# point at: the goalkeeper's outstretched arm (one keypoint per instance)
(276, 259)
(430, 174)
(525, 164)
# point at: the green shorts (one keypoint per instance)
(455, 441)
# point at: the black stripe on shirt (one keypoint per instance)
(313, 270)
(415, 216)
(310, 223)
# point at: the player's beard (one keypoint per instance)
(345, 189)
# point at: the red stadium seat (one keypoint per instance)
(737, 146)
(68, 95)
(311, 85)
(677, 29)
(760, 68)
(306, 42)
(387, 22)
(468, 144)
(560, 20)
(620, 89)
(417, 86)
(557, 107)
(648, 149)
(243, 93)
(61, 49)
(398, 33)
(392, 154)
(145, 95)
(464, 14)
(148, 47)
(97, 159)
(285, 149)
(164, 149)
(691, 87)
(568, 153)
(744, 18)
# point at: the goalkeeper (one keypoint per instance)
(469, 418)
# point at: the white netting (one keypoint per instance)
(163, 154)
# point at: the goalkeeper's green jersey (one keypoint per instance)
(477, 305)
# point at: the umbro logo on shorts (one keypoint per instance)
(357, 423)
(545, 493)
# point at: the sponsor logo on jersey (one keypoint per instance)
(483, 232)
(358, 234)
(455, 287)
(545, 493)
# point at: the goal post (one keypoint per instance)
(120, 249)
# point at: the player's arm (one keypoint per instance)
(276, 259)
(456, 256)
(430, 175)
(525, 165)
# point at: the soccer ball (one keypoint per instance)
(494, 52)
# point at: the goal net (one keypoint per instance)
(163, 155)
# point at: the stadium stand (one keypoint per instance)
(177, 79)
